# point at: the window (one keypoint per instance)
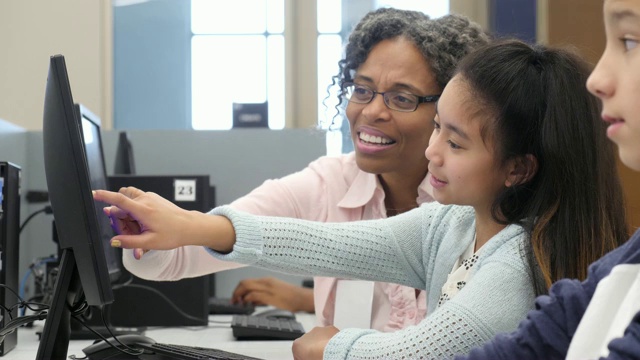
(237, 56)
(433, 8)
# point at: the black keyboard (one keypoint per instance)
(248, 327)
(223, 306)
(183, 352)
(158, 351)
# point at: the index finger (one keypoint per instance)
(131, 192)
(118, 199)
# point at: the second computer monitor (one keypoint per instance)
(98, 180)
(124, 164)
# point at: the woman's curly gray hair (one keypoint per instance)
(442, 41)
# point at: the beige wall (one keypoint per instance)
(33, 30)
(476, 10)
(301, 81)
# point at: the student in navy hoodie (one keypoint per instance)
(600, 317)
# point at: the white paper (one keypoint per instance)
(354, 299)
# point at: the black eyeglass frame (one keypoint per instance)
(420, 99)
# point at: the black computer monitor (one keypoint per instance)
(124, 164)
(92, 139)
(84, 276)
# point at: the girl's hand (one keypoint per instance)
(145, 220)
(310, 346)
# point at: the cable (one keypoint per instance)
(118, 284)
(7, 311)
(47, 209)
(22, 304)
(103, 310)
(79, 308)
(29, 272)
(122, 348)
(12, 325)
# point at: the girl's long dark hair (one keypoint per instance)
(573, 206)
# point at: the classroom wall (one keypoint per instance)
(33, 30)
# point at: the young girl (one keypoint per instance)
(510, 160)
(395, 50)
(598, 318)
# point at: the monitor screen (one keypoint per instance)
(98, 180)
(124, 164)
(83, 275)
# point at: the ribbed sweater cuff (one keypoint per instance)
(338, 347)
(249, 242)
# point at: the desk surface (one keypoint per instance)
(215, 335)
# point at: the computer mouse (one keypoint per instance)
(103, 350)
(275, 314)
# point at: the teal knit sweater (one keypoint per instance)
(417, 249)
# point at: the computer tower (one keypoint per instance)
(167, 303)
(9, 246)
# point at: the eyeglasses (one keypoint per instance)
(395, 100)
